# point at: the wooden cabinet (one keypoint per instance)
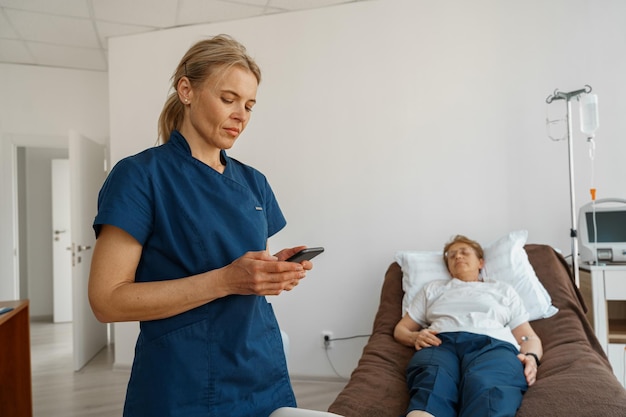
(15, 373)
(604, 291)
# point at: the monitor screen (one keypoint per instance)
(611, 226)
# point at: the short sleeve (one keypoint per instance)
(417, 308)
(275, 218)
(519, 314)
(126, 201)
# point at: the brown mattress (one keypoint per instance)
(575, 378)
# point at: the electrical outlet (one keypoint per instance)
(327, 339)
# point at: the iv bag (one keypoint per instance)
(589, 121)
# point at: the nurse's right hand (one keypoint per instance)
(259, 273)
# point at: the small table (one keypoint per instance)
(604, 291)
(16, 397)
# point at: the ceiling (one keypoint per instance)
(74, 33)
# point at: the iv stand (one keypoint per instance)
(558, 95)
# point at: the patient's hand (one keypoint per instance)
(426, 338)
(530, 368)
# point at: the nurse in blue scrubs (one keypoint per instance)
(182, 233)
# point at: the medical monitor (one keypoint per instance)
(602, 232)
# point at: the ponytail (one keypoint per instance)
(171, 117)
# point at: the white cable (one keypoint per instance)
(595, 232)
(589, 123)
(330, 362)
(592, 157)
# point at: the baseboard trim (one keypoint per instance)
(312, 378)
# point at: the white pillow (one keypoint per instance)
(418, 269)
(505, 260)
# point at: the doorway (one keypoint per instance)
(34, 165)
(29, 261)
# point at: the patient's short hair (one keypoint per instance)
(463, 239)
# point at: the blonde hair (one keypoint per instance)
(202, 60)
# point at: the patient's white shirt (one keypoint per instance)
(490, 308)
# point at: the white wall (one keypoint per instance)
(38, 107)
(392, 125)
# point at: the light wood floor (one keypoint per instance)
(98, 391)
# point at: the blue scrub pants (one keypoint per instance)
(468, 375)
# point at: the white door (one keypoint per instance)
(86, 177)
(61, 242)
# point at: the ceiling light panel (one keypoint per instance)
(152, 13)
(75, 8)
(15, 52)
(62, 56)
(202, 11)
(53, 29)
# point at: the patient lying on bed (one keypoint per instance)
(476, 353)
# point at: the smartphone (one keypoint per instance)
(305, 254)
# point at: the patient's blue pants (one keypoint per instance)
(468, 375)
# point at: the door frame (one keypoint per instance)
(9, 211)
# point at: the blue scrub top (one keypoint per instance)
(224, 358)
